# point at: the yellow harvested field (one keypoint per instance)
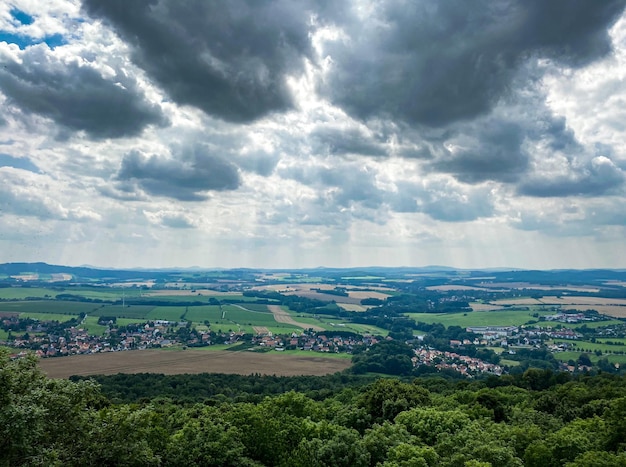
(281, 316)
(484, 307)
(185, 293)
(517, 301)
(614, 311)
(528, 285)
(172, 362)
(445, 288)
(367, 294)
(352, 307)
(583, 301)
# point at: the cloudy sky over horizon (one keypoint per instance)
(304, 133)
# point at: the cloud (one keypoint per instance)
(443, 200)
(23, 193)
(438, 63)
(597, 177)
(171, 219)
(229, 59)
(185, 177)
(493, 152)
(76, 96)
(346, 140)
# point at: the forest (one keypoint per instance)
(538, 418)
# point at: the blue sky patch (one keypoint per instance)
(23, 18)
(23, 163)
(22, 41)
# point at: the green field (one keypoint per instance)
(621, 340)
(573, 355)
(20, 293)
(49, 306)
(47, 316)
(168, 313)
(129, 311)
(586, 346)
(199, 314)
(478, 318)
(592, 324)
(90, 324)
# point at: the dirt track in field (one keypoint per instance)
(172, 362)
(281, 316)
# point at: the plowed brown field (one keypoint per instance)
(172, 362)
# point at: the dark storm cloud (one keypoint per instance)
(77, 97)
(343, 184)
(441, 202)
(338, 141)
(496, 154)
(596, 178)
(434, 63)
(185, 178)
(228, 58)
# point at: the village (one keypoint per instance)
(53, 339)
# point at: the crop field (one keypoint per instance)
(199, 314)
(20, 293)
(128, 311)
(593, 346)
(167, 313)
(191, 292)
(590, 324)
(91, 325)
(49, 306)
(351, 307)
(193, 362)
(48, 316)
(478, 318)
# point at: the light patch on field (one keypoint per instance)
(60, 277)
(281, 316)
(445, 288)
(260, 330)
(583, 301)
(530, 286)
(517, 301)
(186, 293)
(352, 307)
(367, 294)
(614, 311)
(484, 307)
(131, 284)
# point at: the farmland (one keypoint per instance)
(478, 318)
(192, 361)
(199, 309)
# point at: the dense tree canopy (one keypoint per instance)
(538, 418)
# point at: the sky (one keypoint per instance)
(307, 133)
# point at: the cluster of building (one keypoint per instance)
(467, 366)
(313, 342)
(54, 341)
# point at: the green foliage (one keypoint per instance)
(386, 398)
(388, 357)
(533, 419)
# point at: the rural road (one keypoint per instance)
(281, 316)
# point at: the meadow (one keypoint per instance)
(479, 318)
